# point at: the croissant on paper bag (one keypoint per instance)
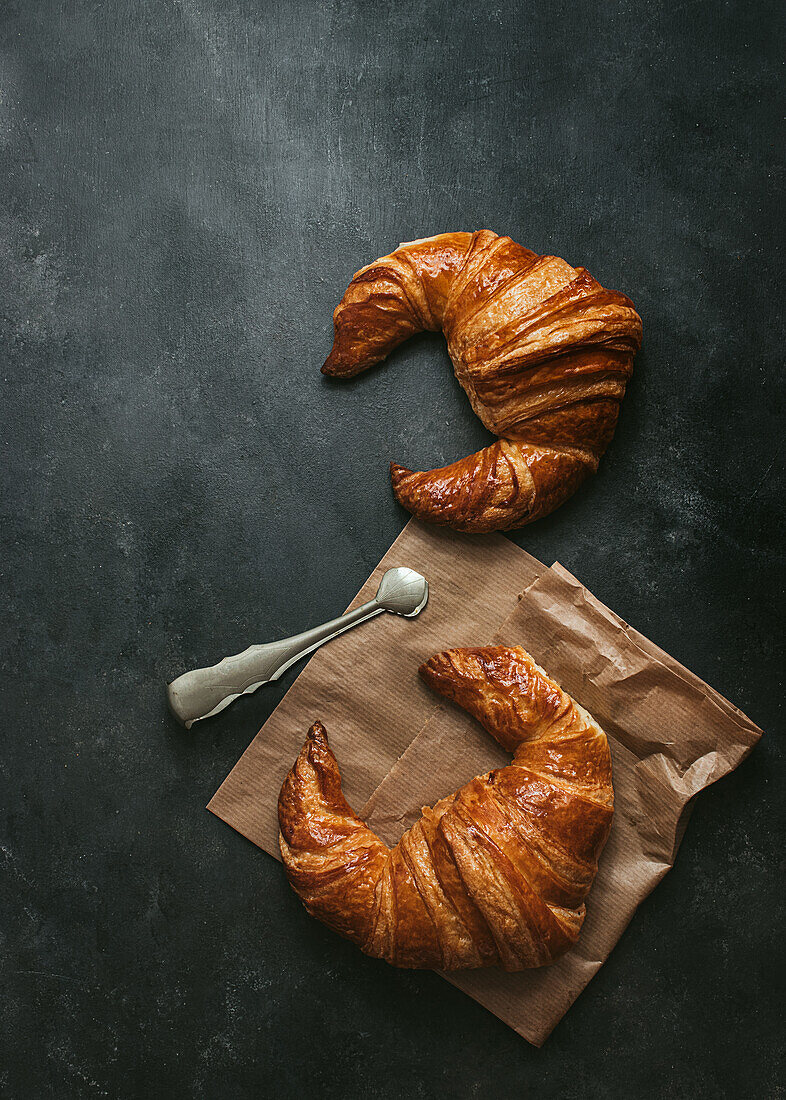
(542, 350)
(495, 874)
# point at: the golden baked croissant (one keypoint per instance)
(494, 874)
(541, 349)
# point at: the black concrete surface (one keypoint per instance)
(187, 186)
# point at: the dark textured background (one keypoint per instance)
(187, 187)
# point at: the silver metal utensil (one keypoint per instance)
(206, 691)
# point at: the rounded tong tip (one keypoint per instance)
(177, 705)
(402, 591)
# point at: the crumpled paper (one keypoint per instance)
(400, 747)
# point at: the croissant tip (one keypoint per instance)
(430, 669)
(398, 474)
(334, 367)
(317, 732)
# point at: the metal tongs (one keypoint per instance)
(206, 691)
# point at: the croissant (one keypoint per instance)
(541, 349)
(495, 874)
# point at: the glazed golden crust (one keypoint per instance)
(495, 874)
(542, 350)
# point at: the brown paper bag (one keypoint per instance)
(400, 748)
(670, 736)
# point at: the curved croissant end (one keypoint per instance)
(495, 874)
(314, 816)
(500, 488)
(542, 350)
